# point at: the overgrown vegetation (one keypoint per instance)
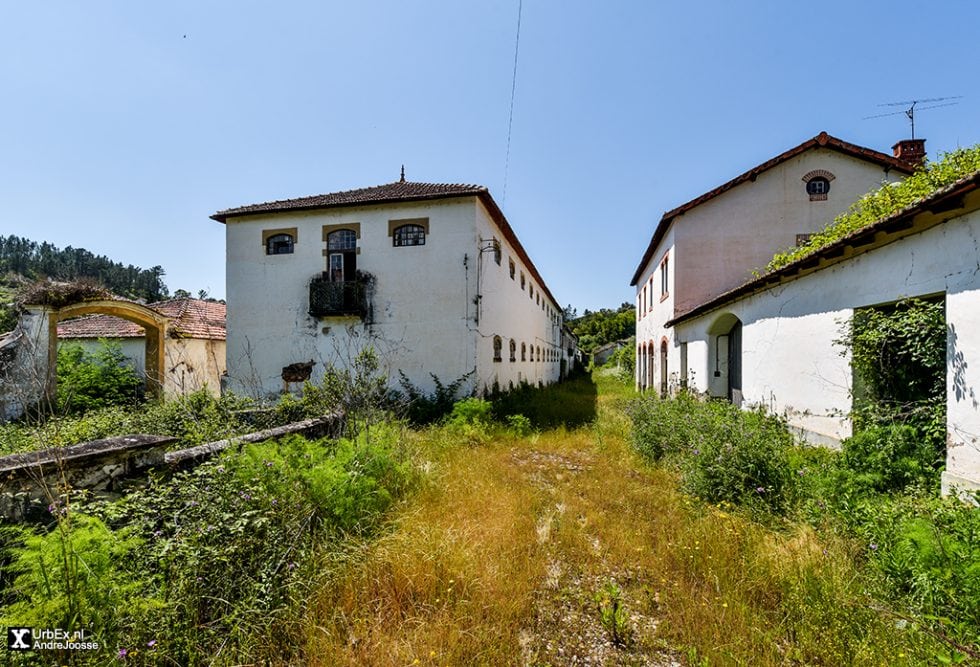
(605, 325)
(89, 380)
(921, 549)
(212, 562)
(887, 200)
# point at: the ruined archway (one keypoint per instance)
(154, 325)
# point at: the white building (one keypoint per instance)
(787, 321)
(714, 242)
(432, 276)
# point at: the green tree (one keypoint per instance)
(90, 380)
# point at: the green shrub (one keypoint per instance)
(79, 575)
(519, 425)
(927, 551)
(233, 542)
(471, 412)
(92, 380)
(891, 457)
(745, 464)
(426, 408)
(724, 453)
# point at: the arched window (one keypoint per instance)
(523, 351)
(513, 350)
(818, 184)
(279, 244)
(407, 235)
(498, 345)
(341, 255)
(539, 353)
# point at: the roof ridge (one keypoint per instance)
(821, 140)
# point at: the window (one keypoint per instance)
(407, 235)
(279, 244)
(539, 353)
(643, 302)
(341, 255)
(522, 280)
(498, 345)
(818, 184)
(664, 265)
(513, 350)
(512, 269)
(496, 251)
(523, 351)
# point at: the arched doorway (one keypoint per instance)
(725, 373)
(153, 323)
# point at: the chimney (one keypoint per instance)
(912, 151)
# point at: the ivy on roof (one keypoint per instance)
(885, 201)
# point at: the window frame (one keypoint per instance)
(408, 232)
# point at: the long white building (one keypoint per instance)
(432, 276)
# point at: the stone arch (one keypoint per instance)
(154, 325)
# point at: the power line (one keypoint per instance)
(513, 90)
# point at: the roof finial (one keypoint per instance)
(403, 174)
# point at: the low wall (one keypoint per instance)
(34, 484)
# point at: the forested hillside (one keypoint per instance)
(602, 326)
(23, 260)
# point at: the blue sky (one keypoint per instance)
(125, 125)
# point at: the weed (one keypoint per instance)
(612, 613)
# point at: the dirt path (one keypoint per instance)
(567, 627)
(508, 558)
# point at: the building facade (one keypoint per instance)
(716, 241)
(789, 319)
(430, 276)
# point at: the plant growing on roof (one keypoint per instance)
(887, 200)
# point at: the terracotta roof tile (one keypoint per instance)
(822, 140)
(399, 191)
(190, 318)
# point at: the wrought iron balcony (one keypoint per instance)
(337, 298)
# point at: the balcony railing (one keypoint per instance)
(337, 298)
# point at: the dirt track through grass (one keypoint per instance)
(500, 559)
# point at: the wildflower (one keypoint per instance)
(697, 451)
(151, 643)
(760, 489)
(268, 464)
(122, 653)
(874, 547)
(800, 472)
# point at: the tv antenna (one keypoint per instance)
(910, 112)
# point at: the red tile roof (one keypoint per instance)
(189, 318)
(399, 191)
(393, 193)
(822, 140)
